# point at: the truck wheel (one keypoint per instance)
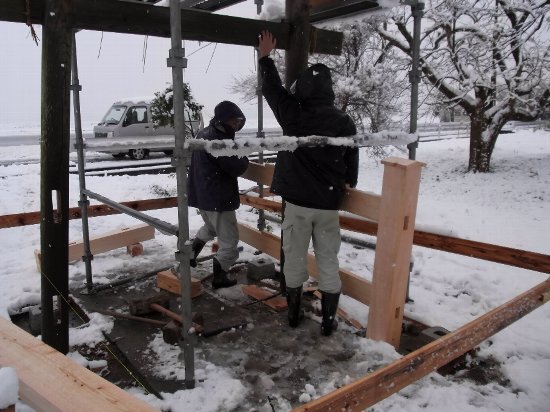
(138, 154)
(119, 155)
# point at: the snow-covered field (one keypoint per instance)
(508, 207)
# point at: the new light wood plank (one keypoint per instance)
(51, 382)
(277, 303)
(108, 241)
(354, 201)
(393, 249)
(380, 384)
(166, 280)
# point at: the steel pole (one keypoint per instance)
(79, 145)
(178, 62)
(417, 8)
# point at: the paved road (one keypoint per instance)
(29, 139)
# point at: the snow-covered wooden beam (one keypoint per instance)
(380, 384)
(246, 146)
(146, 19)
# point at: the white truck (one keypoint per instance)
(129, 125)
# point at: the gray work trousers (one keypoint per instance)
(321, 226)
(222, 225)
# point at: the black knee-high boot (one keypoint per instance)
(196, 248)
(329, 305)
(220, 277)
(295, 312)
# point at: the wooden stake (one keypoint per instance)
(390, 379)
(393, 249)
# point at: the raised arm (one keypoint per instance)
(267, 43)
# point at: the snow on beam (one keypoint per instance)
(246, 146)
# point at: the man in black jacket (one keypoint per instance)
(311, 180)
(214, 190)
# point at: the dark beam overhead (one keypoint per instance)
(330, 9)
(145, 19)
(214, 5)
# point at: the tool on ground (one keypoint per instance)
(158, 303)
(131, 317)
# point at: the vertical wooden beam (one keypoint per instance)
(297, 14)
(54, 172)
(393, 248)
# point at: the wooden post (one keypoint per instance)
(54, 172)
(393, 248)
(297, 14)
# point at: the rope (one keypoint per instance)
(28, 14)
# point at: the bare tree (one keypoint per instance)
(488, 57)
(368, 81)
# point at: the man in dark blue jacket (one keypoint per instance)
(311, 180)
(214, 190)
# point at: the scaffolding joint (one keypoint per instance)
(176, 58)
(84, 202)
(75, 87)
(79, 145)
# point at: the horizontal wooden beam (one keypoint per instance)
(145, 19)
(388, 380)
(325, 10)
(32, 218)
(50, 381)
(104, 242)
(355, 201)
(479, 250)
(485, 251)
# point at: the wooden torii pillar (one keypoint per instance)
(54, 173)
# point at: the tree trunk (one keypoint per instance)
(483, 136)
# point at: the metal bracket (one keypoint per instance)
(176, 58)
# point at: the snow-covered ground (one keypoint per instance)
(508, 207)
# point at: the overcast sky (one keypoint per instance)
(112, 68)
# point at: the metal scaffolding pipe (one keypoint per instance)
(83, 202)
(417, 7)
(178, 62)
(160, 225)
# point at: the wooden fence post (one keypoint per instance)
(393, 248)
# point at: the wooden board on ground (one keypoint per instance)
(277, 303)
(50, 381)
(166, 280)
(107, 241)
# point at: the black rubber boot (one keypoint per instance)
(196, 248)
(329, 304)
(295, 312)
(220, 277)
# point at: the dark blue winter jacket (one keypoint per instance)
(212, 182)
(312, 177)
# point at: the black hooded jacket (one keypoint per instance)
(312, 177)
(212, 183)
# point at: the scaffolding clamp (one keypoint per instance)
(176, 58)
(78, 145)
(75, 87)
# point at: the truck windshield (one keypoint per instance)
(114, 115)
